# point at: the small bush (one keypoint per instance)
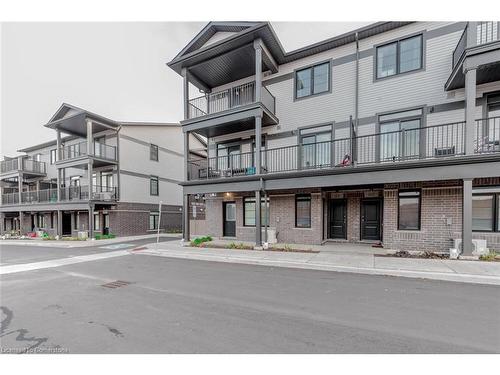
(99, 236)
(198, 242)
(491, 257)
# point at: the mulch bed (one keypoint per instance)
(406, 254)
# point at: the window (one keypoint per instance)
(409, 210)
(303, 211)
(53, 156)
(153, 220)
(399, 57)
(483, 208)
(74, 181)
(153, 152)
(313, 80)
(153, 185)
(37, 157)
(228, 156)
(315, 149)
(249, 212)
(392, 145)
(106, 181)
(40, 221)
(97, 224)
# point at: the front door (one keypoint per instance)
(229, 229)
(338, 219)
(371, 219)
(66, 224)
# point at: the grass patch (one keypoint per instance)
(491, 257)
(99, 236)
(200, 241)
(239, 246)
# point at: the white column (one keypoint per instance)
(470, 110)
(185, 90)
(467, 217)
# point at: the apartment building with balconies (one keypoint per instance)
(97, 176)
(387, 134)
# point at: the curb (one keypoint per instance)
(453, 277)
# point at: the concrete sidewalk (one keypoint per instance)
(477, 272)
(87, 243)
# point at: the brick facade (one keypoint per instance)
(441, 216)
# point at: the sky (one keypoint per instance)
(115, 69)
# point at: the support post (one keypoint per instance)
(471, 34)
(90, 169)
(59, 155)
(21, 222)
(90, 138)
(185, 90)
(470, 109)
(258, 224)
(20, 186)
(467, 217)
(185, 220)
(59, 223)
(258, 144)
(186, 156)
(91, 221)
(258, 71)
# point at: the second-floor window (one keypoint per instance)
(153, 185)
(53, 156)
(398, 57)
(153, 152)
(313, 80)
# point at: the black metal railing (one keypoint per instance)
(233, 97)
(28, 165)
(487, 135)
(73, 193)
(437, 141)
(486, 32)
(76, 150)
(10, 198)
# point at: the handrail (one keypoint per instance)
(434, 141)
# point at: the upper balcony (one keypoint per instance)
(390, 149)
(479, 47)
(29, 167)
(103, 154)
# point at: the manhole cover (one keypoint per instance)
(116, 284)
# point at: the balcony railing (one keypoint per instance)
(101, 150)
(68, 193)
(487, 135)
(486, 32)
(28, 165)
(437, 141)
(230, 98)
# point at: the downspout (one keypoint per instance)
(356, 108)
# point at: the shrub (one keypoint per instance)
(197, 242)
(99, 236)
(492, 256)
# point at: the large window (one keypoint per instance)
(399, 57)
(153, 220)
(315, 147)
(153, 185)
(313, 80)
(228, 156)
(153, 152)
(249, 212)
(97, 223)
(303, 211)
(396, 145)
(409, 210)
(483, 212)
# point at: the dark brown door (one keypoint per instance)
(338, 219)
(66, 224)
(371, 219)
(229, 229)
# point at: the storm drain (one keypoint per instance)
(116, 284)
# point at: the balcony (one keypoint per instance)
(28, 166)
(431, 142)
(478, 38)
(233, 97)
(68, 193)
(74, 151)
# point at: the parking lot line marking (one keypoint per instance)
(4, 270)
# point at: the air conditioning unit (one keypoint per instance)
(83, 235)
(478, 246)
(271, 235)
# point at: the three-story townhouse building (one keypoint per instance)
(97, 176)
(389, 133)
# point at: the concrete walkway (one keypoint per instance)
(449, 270)
(87, 243)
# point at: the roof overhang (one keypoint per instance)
(238, 47)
